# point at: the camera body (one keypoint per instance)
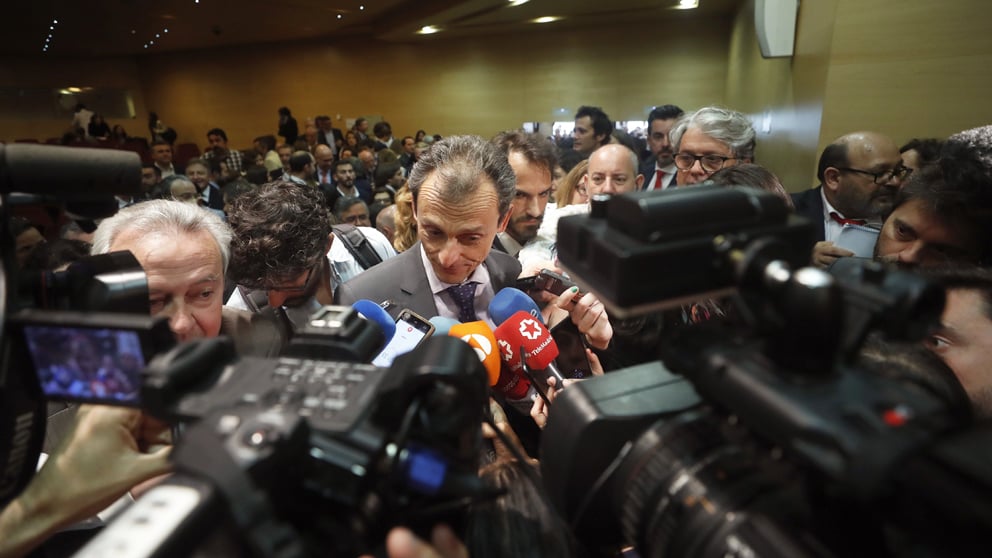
(765, 435)
(311, 453)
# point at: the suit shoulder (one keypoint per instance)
(379, 282)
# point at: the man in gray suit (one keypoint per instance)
(462, 190)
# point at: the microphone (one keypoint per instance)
(523, 330)
(374, 313)
(478, 335)
(442, 325)
(509, 301)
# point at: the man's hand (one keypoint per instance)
(825, 254)
(503, 453)
(539, 410)
(402, 543)
(108, 451)
(589, 316)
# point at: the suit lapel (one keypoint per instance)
(414, 284)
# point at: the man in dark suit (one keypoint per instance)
(327, 135)
(451, 272)
(860, 174)
(659, 169)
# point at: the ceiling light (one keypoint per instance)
(165, 30)
(514, 3)
(55, 21)
(687, 4)
(546, 19)
(361, 7)
(73, 89)
(428, 30)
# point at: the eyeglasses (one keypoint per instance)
(295, 288)
(710, 163)
(884, 176)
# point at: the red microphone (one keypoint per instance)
(540, 350)
(516, 389)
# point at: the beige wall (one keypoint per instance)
(784, 96)
(907, 68)
(463, 85)
(44, 71)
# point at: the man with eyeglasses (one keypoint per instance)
(943, 215)
(709, 139)
(860, 174)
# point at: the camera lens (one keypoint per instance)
(689, 490)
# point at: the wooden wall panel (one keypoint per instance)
(909, 68)
(475, 85)
(784, 93)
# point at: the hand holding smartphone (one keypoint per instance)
(411, 330)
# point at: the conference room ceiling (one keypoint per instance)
(136, 27)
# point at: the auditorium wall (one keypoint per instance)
(906, 68)
(475, 85)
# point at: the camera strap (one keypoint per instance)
(357, 244)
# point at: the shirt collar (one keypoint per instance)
(480, 275)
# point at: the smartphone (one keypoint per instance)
(91, 357)
(572, 360)
(411, 330)
(552, 282)
(546, 280)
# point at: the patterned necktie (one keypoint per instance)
(464, 297)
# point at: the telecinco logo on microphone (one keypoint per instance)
(482, 346)
(507, 350)
(531, 334)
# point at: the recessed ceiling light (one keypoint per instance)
(687, 4)
(55, 21)
(514, 3)
(428, 30)
(165, 30)
(340, 16)
(546, 19)
(361, 7)
(73, 89)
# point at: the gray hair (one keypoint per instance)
(461, 164)
(728, 126)
(163, 216)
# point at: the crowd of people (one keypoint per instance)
(248, 243)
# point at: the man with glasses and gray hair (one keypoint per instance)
(709, 139)
(860, 174)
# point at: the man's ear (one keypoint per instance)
(831, 178)
(505, 221)
(330, 242)
(640, 182)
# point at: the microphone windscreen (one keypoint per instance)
(443, 325)
(480, 337)
(523, 330)
(73, 172)
(509, 301)
(374, 313)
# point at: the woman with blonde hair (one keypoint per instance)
(406, 228)
(572, 188)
